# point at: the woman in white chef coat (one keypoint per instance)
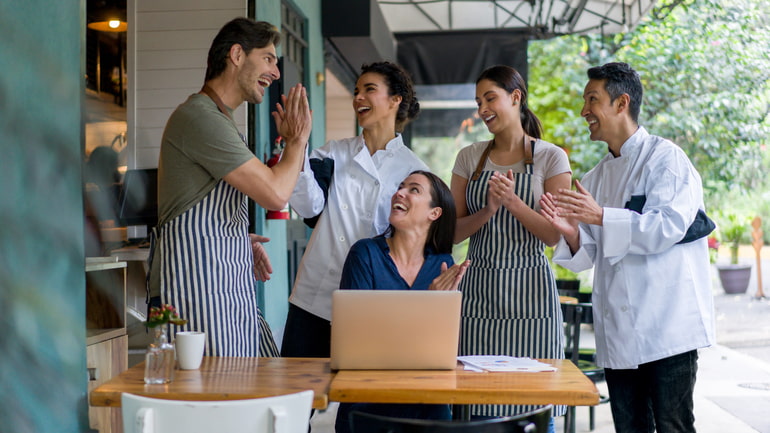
(367, 172)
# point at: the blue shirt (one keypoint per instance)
(369, 266)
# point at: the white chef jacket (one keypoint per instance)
(358, 207)
(651, 296)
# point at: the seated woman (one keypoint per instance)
(414, 253)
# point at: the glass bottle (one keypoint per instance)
(159, 360)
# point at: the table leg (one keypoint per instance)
(461, 412)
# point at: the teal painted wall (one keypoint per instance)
(42, 282)
(270, 10)
(273, 294)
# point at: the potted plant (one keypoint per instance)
(734, 276)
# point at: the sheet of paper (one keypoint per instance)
(504, 363)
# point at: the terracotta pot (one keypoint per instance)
(734, 278)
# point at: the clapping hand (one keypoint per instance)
(294, 119)
(501, 188)
(449, 279)
(567, 209)
(579, 205)
(568, 227)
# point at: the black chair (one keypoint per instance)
(530, 422)
(576, 315)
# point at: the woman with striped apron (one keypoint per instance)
(510, 302)
(206, 273)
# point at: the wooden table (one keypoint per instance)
(239, 378)
(567, 385)
(226, 379)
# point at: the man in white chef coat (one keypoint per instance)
(638, 218)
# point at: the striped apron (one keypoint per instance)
(510, 302)
(206, 273)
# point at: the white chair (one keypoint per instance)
(282, 414)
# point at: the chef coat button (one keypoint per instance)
(352, 176)
(342, 238)
(344, 207)
(624, 308)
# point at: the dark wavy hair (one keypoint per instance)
(246, 32)
(509, 79)
(399, 83)
(620, 78)
(442, 231)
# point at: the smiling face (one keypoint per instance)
(258, 70)
(497, 107)
(602, 115)
(412, 204)
(372, 103)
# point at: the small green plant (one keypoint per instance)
(732, 229)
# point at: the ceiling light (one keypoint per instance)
(109, 26)
(108, 20)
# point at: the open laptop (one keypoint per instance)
(395, 329)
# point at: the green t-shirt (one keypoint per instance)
(200, 145)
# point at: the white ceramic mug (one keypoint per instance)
(189, 349)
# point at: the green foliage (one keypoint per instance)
(460, 251)
(707, 86)
(559, 272)
(557, 98)
(562, 273)
(752, 202)
(439, 153)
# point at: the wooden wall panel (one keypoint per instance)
(175, 39)
(187, 19)
(340, 118)
(164, 98)
(167, 49)
(171, 59)
(193, 5)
